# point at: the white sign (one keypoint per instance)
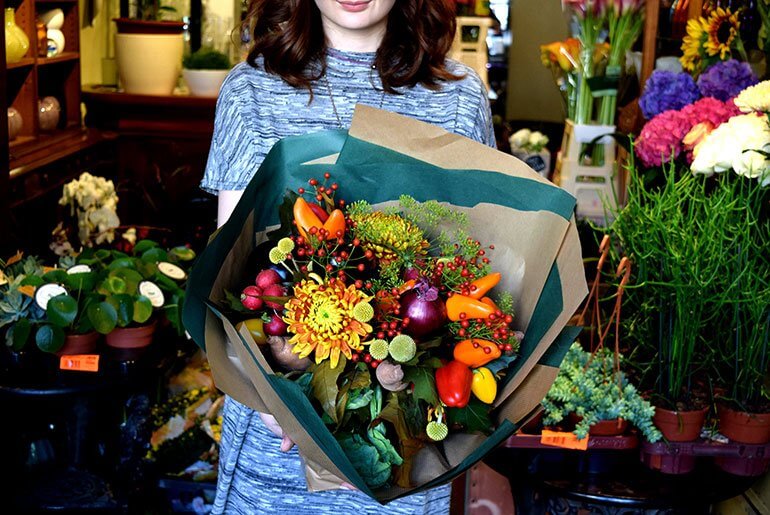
(151, 290)
(171, 270)
(47, 292)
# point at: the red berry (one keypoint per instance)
(301, 191)
(327, 175)
(312, 182)
(354, 358)
(368, 358)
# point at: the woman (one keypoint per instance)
(311, 62)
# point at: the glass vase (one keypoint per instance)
(16, 41)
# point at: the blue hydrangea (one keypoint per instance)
(665, 91)
(724, 80)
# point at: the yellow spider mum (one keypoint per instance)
(692, 45)
(321, 318)
(722, 28)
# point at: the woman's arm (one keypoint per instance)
(227, 199)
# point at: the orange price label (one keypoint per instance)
(563, 440)
(80, 363)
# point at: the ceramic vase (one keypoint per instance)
(49, 112)
(204, 83)
(15, 123)
(16, 41)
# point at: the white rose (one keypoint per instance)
(520, 138)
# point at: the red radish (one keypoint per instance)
(250, 298)
(267, 277)
(274, 290)
(318, 211)
(275, 326)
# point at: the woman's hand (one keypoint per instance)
(272, 425)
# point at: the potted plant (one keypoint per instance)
(18, 311)
(149, 50)
(204, 71)
(597, 397)
(146, 282)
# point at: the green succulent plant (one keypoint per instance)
(206, 59)
(592, 389)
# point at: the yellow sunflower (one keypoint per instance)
(722, 28)
(692, 44)
(326, 319)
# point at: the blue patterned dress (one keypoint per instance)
(255, 109)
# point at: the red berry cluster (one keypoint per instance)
(496, 329)
(366, 358)
(322, 192)
(458, 273)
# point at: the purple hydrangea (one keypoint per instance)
(724, 80)
(666, 91)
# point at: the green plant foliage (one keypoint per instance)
(206, 59)
(591, 388)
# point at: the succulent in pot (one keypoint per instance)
(204, 71)
(590, 387)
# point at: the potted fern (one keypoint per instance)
(149, 49)
(204, 71)
(594, 395)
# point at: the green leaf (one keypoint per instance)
(114, 286)
(424, 383)
(49, 338)
(62, 310)
(18, 334)
(361, 378)
(143, 246)
(32, 280)
(119, 263)
(103, 317)
(474, 417)
(131, 277)
(124, 307)
(366, 460)
(142, 309)
(154, 255)
(325, 387)
(55, 276)
(358, 399)
(181, 254)
(80, 282)
(234, 303)
(102, 254)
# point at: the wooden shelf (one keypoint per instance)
(56, 1)
(61, 58)
(20, 141)
(26, 61)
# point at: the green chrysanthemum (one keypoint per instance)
(378, 349)
(402, 348)
(285, 245)
(389, 236)
(276, 256)
(437, 431)
(363, 312)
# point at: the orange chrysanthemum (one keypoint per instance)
(722, 28)
(323, 319)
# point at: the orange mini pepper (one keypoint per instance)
(476, 353)
(482, 285)
(307, 219)
(472, 308)
(489, 302)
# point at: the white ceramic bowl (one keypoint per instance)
(53, 19)
(204, 83)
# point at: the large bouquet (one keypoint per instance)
(388, 298)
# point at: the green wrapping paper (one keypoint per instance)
(528, 219)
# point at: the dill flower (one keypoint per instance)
(321, 319)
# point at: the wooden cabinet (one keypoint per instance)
(651, 30)
(37, 76)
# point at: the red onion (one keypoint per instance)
(425, 310)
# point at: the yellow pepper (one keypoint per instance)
(256, 328)
(484, 385)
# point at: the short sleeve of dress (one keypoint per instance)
(234, 155)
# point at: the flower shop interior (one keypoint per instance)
(648, 119)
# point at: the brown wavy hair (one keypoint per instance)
(289, 36)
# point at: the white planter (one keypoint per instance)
(149, 64)
(204, 83)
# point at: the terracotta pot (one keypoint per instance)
(612, 427)
(131, 337)
(679, 426)
(79, 344)
(743, 427)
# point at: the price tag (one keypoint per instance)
(78, 269)
(171, 270)
(151, 290)
(80, 362)
(563, 440)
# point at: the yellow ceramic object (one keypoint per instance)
(16, 41)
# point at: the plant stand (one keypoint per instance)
(595, 187)
(681, 458)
